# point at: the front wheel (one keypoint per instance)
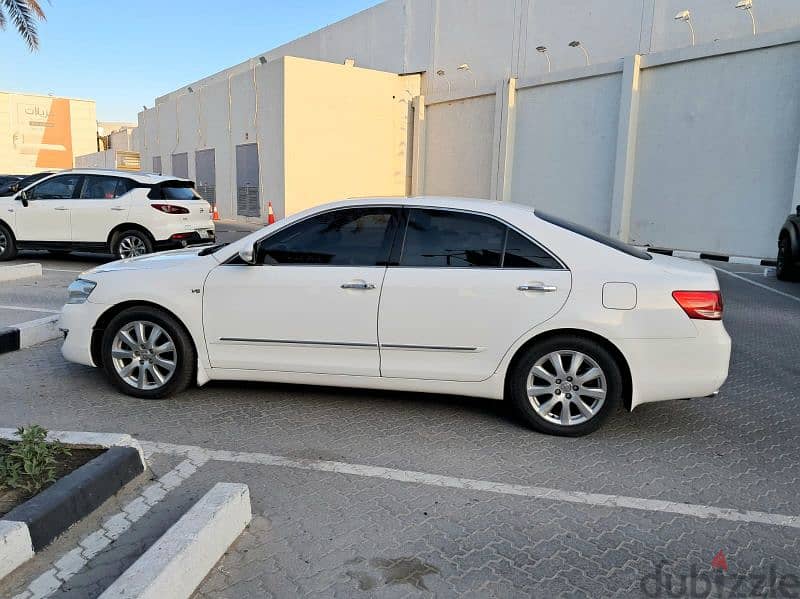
(566, 386)
(785, 270)
(132, 243)
(147, 353)
(8, 249)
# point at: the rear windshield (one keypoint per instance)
(175, 190)
(594, 236)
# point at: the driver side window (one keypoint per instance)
(348, 237)
(57, 188)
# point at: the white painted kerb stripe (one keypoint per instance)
(175, 565)
(407, 476)
(757, 284)
(15, 546)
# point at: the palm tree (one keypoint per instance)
(23, 13)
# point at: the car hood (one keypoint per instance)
(159, 261)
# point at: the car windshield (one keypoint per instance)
(616, 244)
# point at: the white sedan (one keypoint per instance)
(436, 295)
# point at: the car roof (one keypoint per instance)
(456, 203)
(139, 177)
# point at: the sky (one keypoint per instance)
(125, 53)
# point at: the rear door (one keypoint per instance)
(103, 203)
(466, 288)
(47, 215)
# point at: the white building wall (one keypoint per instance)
(566, 135)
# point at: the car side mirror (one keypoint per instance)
(248, 254)
(23, 197)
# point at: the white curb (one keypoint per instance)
(15, 546)
(20, 271)
(175, 565)
(38, 331)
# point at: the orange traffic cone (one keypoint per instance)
(270, 214)
(215, 214)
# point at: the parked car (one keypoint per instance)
(127, 214)
(8, 180)
(788, 268)
(435, 295)
(13, 186)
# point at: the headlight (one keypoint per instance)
(80, 290)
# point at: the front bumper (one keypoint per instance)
(665, 369)
(77, 322)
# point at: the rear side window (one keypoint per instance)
(616, 244)
(97, 187)
(441, 238)
(523, 253)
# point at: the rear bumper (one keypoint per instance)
(665, 369)
(179, 240)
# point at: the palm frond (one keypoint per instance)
(23, 13)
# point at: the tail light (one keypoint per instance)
(700, 305)
(170, 209)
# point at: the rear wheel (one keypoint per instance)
(8, 247)
(786, 269)
(131, 243)
(147, 353)
(566, 386)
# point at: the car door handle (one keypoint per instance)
(357, 285)
(118, 208)
(61, 208)
(538, 287)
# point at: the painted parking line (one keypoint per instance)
(757, 284)
(30, 309)
(436, 480)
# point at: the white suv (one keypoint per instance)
(128, 214)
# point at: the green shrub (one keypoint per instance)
(29, 464)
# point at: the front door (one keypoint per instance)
(103, 203)
(466, 288)
(47, 215)
(310, 304)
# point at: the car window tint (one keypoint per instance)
(441, 238)
(174, 192)
(351, 237)
(523, 253)
(104, 188)
(57, 188)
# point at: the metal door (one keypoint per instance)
(157, 165)
(247, 177)
(206, 175)
(180, 165)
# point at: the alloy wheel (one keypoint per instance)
(131, 246)
(3, 242)
(144, 355)
(566, 387)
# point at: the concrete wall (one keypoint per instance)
(693, 149)
(346, 132)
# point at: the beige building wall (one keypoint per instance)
(39, 133)
(346, 132)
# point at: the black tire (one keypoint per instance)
(8, 245)
(524, 407)
(138, 238)
(786, 269)
(185, 356)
